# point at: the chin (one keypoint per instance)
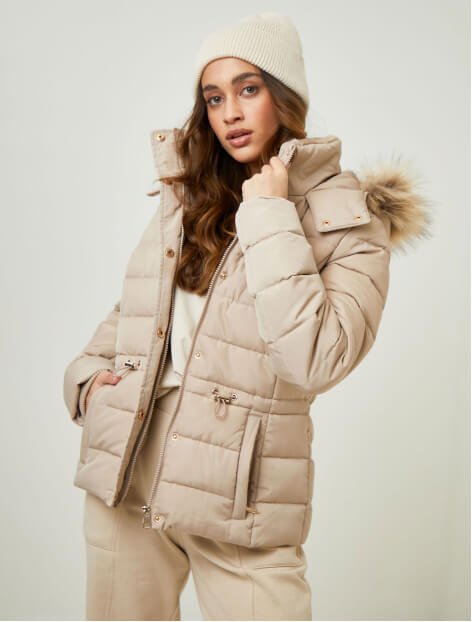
(245, 157)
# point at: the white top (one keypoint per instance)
(188, 307)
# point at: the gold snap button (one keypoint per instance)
(198, 355)
(160, 332)
(157, 517)
(170, 252)
(174, 434)
(141, 415)
(159, 136)
(223, 275)
(357, 217)
(326, 222)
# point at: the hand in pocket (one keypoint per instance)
(103, 378)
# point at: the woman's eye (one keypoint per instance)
(256, 88)
(209, 100)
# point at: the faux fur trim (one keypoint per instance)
(393, 191)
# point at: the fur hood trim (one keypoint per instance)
(394, 191)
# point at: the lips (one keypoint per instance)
(237, 133)
(241, 141)
(239, 138)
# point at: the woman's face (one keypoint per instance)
(237, 100)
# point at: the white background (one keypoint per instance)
(83, 84)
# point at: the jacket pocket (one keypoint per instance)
(89, 415)
(246, 456)
(96, 401)
(86, 427)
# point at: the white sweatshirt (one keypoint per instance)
(188, 307)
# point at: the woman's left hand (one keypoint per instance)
(272, 181)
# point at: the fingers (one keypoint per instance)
(108, 377)
(277, 163)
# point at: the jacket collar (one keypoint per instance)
(310, 160)
(387, 190)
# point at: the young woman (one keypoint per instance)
(258, 284)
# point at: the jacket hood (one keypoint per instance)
(391, 189)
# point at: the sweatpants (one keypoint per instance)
(137, 573)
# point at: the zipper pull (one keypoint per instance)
(146, 516)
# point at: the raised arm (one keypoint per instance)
(318, 324)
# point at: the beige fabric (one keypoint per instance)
(139, 574)
(295, 305)
(188, 308)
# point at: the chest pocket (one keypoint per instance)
(338, 208)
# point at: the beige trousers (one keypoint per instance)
(135, 573)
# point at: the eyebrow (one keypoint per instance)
(239, 78)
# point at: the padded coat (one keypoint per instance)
(293, 307)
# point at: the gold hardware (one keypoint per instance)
(170, 252)
(157, 517)
(326, 222)
(174, 434)
(198, 355)
(222, 400)
(160, 332)
(141, 415)
(159, 136)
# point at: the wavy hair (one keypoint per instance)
(210, 186)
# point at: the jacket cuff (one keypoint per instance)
(263, 216)
(273, 242)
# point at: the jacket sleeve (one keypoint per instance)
(98, 354)
(318, 325)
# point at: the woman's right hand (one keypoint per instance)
(104, 377)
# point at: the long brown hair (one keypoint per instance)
(210, 186)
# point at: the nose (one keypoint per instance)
(232, 110)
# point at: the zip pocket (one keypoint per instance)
(246, 456)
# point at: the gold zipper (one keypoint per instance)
(130, 471)
(287, 151)
(147, 507)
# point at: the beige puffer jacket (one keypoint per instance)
(293, 307)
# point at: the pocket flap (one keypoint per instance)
(338, 208)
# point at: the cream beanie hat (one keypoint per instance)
(268, 40)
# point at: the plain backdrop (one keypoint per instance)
(83, 84)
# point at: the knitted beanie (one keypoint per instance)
(268, 40)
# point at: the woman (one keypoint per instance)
(258, 284)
